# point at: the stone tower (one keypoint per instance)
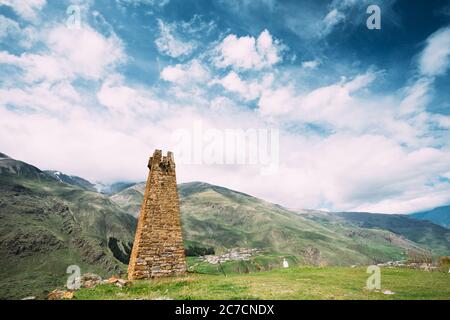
(158, 248)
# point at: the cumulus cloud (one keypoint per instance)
(247, 52)
(342, 171)
(281, 101)
(127, 101)
(69, 54)
(342, 146)
(359, 172)
(44, 97)
(248, 90)
(349, 106)
(330, 103)
(189, 73)
(435, 58)
(339, 172)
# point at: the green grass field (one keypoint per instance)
(293, 283)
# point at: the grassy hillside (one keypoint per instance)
(428, 235)
(333, 283)
(222, 218)
(440, 216)
(47, 225)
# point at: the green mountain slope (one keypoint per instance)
(440, 216)
(426, 234)
(222, 218)
(130, 199)
(47, 225)
(72, 180)
(14, 169)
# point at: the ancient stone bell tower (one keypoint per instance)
(158, 248)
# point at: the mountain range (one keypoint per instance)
(222, 218)
(50, 220)
(439, 216)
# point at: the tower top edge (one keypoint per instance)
(158, 159)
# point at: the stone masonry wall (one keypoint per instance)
(158, 248)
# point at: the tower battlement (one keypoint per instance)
(158, 248)
(165, 163)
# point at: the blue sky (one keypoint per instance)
(363, 115)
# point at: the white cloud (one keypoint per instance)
(168, 44)
(197, 26)
(8, 27)
(86, 50)
(343, 11)
(45, 97)
(268, 49)
(26, 9)
(247, 52)
(417, 96)
(435, 58)
(222, 104)
(160, 3)
(375, 153)
(25, 37)
(126, 101)
(278, 102)
(189, 73)
(340, 172)
(359, 82)
(233, 83)
(425, 199)
(333, 104)
(442, 121)
(99, 148)
(311, 64)
(333, 18)
(343, 171)
(69, 54)
(349, 106)
(354, 173)
(360, 172)
(29, 36)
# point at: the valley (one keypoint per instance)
(50, 220)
